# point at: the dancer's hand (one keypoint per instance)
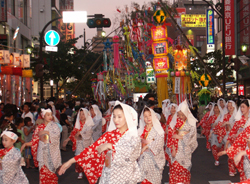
(65, 142)
(23, 147)
(66, 165)
(221, 153)
(104, 147)
(238, 157)
(176, 136)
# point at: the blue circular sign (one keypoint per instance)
(52, 38)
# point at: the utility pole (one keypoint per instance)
(84, 39)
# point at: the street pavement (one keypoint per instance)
(203, 169)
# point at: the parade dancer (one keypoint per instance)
(108, 116)
(223, 128)
(45, 148)
(213, 121)
(241, 123)
(119, 149)
(97, 118)
(10, 160)
(81, 136)
(182, 141)
(152, 159)
(205, 118)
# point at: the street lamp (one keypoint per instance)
(29, 49)
(244, 48)
(103, 33)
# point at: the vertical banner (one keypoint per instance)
(17, 90)
(229, 27)
(3, 10)
(28, 89)
(24, 89)
(8, 89)
(25, 60)
(177, 85)
(210, 31)
(244, 21)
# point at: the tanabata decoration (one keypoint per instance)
(116, 51)
(205, 80)
(93, 86)
(17, 71)
(7, 70)
(99, 91)
(27, 73)
(204, 95)
(140, 83)
(160, 51)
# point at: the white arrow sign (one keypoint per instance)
(52, 37)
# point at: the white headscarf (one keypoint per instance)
(88, 122)
(221, 115)
(111, 103)
(10, 134)
(232, 118)
(131, 119)
(210, 103)
(44, 111)
(165, 105)
(97, 111)
(156, 123)
(53, 107)
(224, 111)
(169, 110)
(183, 107)
(239, 113)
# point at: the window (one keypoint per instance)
(219, 24)
(200, 40)
(11, 8)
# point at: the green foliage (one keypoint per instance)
(214, 62)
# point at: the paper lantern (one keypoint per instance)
(17, 71)
(187, 73)
(27, 73)
(182, 73)
(177, 74)
(205, 80)
(159, 16)
(172, 74)
(7, 70)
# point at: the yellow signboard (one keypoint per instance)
(193, 20)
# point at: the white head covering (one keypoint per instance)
(169, 110)
(88, 122)
(183, 107)
(97, 111)
(239, 113)
(131, 119)
(53, 107)
(224, 111)
(210, 103)
(221, 115)
(232, 118)
(165, 105)
(9, 134)
(44, 111)
(156, 123)
(111, 103)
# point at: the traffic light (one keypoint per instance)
(98, 22)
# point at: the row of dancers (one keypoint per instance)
(124, 154)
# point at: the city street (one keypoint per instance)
(203, 169)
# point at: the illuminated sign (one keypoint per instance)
(210, 31)
(159, 33)
(241, 89)
(160, 48)
(193, 20)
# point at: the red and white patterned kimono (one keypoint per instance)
(207, 127)
(104, 127)
(125, 153)
(240, 144)
(47, 155)
(203, 120)
(10, 167)
(79, 145)
(181, 164)
(170, 117)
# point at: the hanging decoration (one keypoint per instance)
(205, 80)
(116, 51)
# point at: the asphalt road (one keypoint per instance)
(203, 169)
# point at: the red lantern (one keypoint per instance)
(7, 70)
(17, 71)
(177, 74)
(27, 73)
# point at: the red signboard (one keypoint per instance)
(241, 89)
(180, 11)
(244, 24)
(161, 63)
(229, 27)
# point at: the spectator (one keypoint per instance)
(27, 113)
(21, 138)
(64, 123)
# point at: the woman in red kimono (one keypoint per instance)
(236, 136)
(113, 157)
(222, 129)
(45, 148)
(108, 116)
(172, 111)
(182, 141)
(81, 136)
(205, 118)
